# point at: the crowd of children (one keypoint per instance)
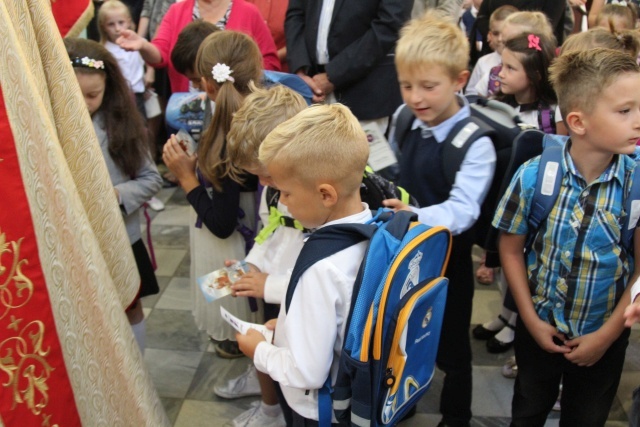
(268, 170)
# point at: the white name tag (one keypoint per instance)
(635, 213)
(549, 180)
(380, 153)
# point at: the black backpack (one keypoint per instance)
(490, 118)
(373, 190)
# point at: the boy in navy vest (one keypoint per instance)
(432, 62)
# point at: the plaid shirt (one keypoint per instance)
(577, 268)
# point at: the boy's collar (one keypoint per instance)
(441, 131)
(616, 169)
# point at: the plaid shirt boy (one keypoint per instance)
(577, 268)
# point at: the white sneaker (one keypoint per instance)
(254, 417)
(246, 384)
(155, 204)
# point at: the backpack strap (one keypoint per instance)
(276, 218)
(628, 228)
(546, 119)
(403, 125)
(547, 188)
(323, 243)
(462, 135)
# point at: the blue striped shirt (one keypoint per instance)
(577, 267)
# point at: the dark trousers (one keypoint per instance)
(454, 350)
(587, 392)
(291, 417)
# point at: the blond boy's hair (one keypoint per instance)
(580, 77)
(261, 112)
(502, 13)
(107, 7)
(531, 22)
(432, 39)
(321, 143)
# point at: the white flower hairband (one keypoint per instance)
(88, 63)
(221, 73)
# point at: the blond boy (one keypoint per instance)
(316, 160)
(277, 246)
(480, 77)
(432, 60)
(571, 287)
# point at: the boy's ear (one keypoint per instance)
(576, 121)
(328, 194)
(461, 79)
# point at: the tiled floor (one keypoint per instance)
(184, 367)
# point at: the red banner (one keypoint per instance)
(35, 388)
(72, 16)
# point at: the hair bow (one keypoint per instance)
(534, 42)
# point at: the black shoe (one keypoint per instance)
(496, 346)
(482, 333)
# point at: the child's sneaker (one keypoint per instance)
(255, 417)
(244, 385)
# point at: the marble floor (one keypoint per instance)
(185, 368)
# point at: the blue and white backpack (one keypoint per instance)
(393, 328)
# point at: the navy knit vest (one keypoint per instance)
(421, 172)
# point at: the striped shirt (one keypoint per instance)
(577, 267)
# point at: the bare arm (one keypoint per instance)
(130, 40)
(596, 7)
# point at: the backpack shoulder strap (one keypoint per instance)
(547, 186)
(462, 135)
(272, 197)
(323, 243)
(629, 227)
(403, 125)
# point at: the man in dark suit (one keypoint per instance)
(344, 49)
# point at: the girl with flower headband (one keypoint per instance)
(123, 140)
(229, 62)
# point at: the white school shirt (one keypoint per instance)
(322, 49)
(277, 254)
(131, 64)
(309, 337)
(479, 80)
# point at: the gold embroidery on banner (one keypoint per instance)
(15, 288)
(22, 357)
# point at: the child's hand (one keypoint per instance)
(396, 205)
(249, 342)
(544, 333)
(587, 349)
(271, 324)
(250, 285)
(230, 262)
(178, 162)
(632, 313)
(130, 40)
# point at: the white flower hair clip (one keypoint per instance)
(619, 2)
(221, 73)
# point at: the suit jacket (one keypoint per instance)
(361, 42)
